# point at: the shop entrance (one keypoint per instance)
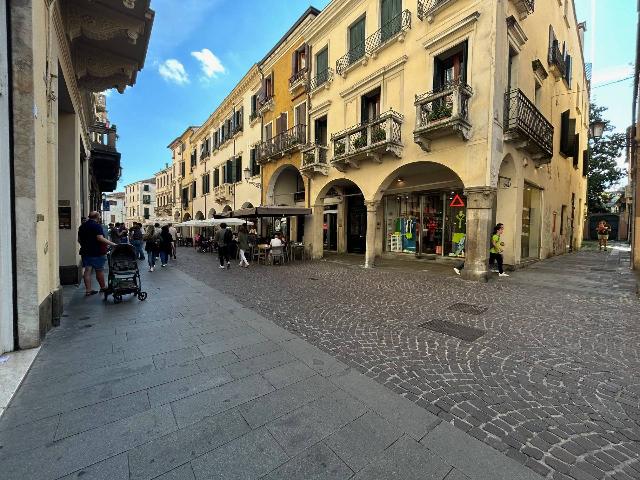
(425, 212)
(531, 222)
(330, 230)
(356, 223)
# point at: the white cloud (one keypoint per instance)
(107, 93)
(611, 74)
(210, 64)
(173, 71)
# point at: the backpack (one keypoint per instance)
(228, 237)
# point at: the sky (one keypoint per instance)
(200, 49)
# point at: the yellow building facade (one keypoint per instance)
(183, 164)
(432, 121)
(163, 208)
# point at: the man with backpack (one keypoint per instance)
(223, 239)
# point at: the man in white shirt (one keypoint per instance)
(174, 235)
(275, 241)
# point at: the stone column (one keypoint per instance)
(480, 201)
(372, 227)
(316, 221)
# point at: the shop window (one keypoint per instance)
(370, 106)
(450, 67)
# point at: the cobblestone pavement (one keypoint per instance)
(554, 383)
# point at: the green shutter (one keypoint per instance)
(322, 61)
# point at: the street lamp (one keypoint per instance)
(247, 175)
(596, 129)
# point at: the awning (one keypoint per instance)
(271, 211)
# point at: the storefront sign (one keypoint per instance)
(457, 201)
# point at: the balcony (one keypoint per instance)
(524, 7)
(428, 8)
(360, 54)
(266, 105)
(314, 160)
(322, 79)
(105, 159)
(253, 116)
(527, 127)
(441, 113)
(297, 79)
(372, 140)
(223, 193)
(394, 29)
(556, 61)
(283, 143)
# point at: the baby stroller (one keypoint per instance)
(124, 276)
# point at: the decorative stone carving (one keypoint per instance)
(98, 70)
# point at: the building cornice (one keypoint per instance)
(452, 30)
(328, 18)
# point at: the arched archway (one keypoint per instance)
(186, 217)
(286, 187)
(344, 218)
(199, 215)
(420, 209)
(247, 205)
(212, 213)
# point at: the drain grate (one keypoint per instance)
(468, 308)
(468, 334)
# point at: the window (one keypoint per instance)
(254, 105)
(182, 169)
(282, 123)
(538, 95)
(450, 67)
(254, 166)
(146, 213)
(356, 40)
(146, 199)
(576, 151)
(512, 81)
(193, 189)
(320, 128)
(568, 75)
(238, 119)
(370, 106)
(238, 175)
(299, 59)
(268, 131)
(390, 9)
(567, 134)
(205, 184)
(563, 212)
(322, 65)
(216, 177)
(300, 114)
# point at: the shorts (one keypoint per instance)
(603, 237)
(97, 263)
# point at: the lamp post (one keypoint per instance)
(596, 129)
(247, 176)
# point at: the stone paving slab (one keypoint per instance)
(255, 402)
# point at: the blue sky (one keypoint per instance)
(200, 49)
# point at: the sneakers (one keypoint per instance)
(164, 264)
(222, 267)
(457, 270)
(503, 274)
(151, 269)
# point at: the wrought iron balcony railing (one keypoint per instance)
(322, 78)
(282, 143)
(524, 123)
(390, 30)
(426, 8)
(314, 159)
(556, 60)
(368, 140)
(297, 78)
(442, 112)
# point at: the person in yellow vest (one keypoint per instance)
(497, 247)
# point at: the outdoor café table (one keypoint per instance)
(295, 249)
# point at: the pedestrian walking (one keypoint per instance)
(136, 235)
(497, 247)
(174, 235)
(495, 252)
(151, 246)
(243, 245)
(223, 240)
(93, 250)
(166, 241)
(123, 234)
(603, 230)
(114, 232)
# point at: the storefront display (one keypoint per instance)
(425, 223)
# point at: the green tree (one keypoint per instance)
(603, 171)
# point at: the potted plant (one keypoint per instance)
(360, 142)
(339, 148)
(378, 134)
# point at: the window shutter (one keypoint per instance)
(229, 172)
(576, 151)
(569, 72)
(294, 62)
(307, 56)
(224, 173)
(216, 177)
(239, 168)
(564, 132)
(585, 161)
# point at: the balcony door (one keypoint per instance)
(389, 10)
(370, 106)
(356, 40)
(450, 67)
(320, 128)
(322, 64)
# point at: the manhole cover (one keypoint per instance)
(468, 308)
(468, 334)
